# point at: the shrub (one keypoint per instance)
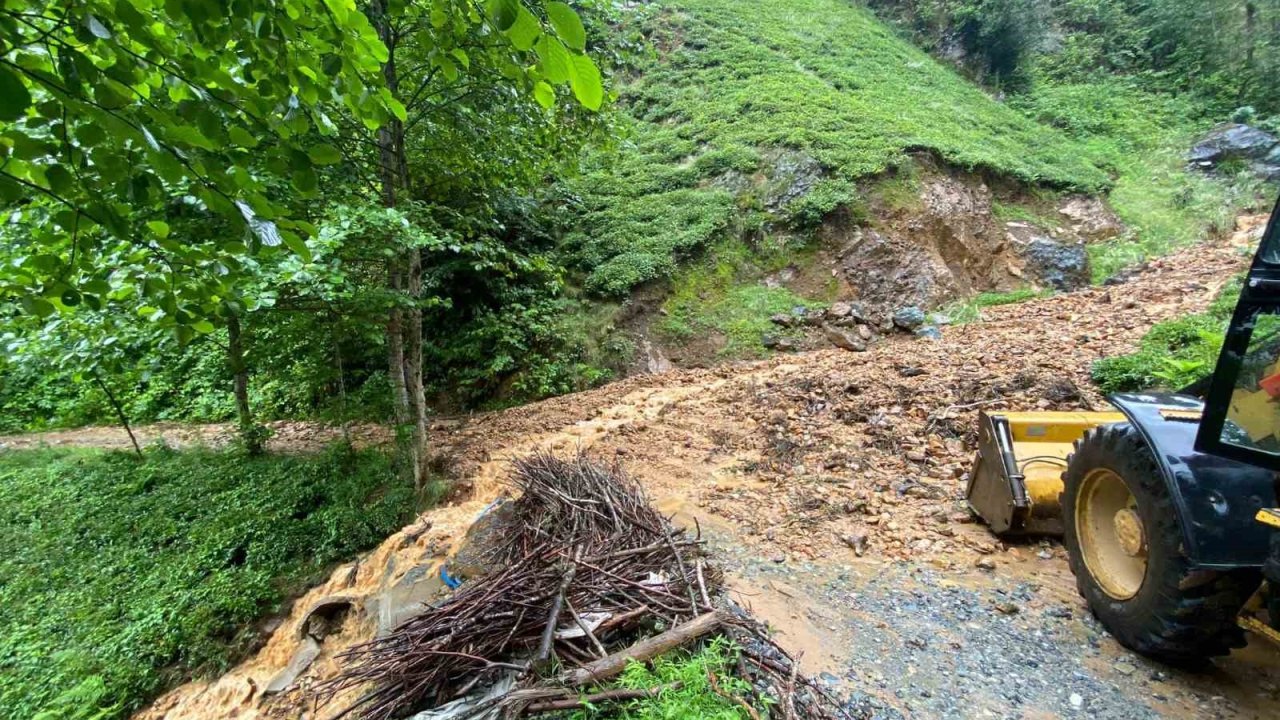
(116, 569)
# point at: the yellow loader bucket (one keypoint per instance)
(1017, 474)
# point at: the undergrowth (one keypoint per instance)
(1172, 354)
(722, 295)
(694, 698)
(122, 575)
(838, 94)
(1142, 139)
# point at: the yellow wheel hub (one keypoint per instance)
(1112, 538)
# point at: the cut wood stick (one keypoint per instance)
(607, 696)
(643, 651)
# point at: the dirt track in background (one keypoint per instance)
(830, 483)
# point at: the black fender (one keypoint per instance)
(1216, 498)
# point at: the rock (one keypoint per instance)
(1076, 701)
(1004, 607)
(1124, 668)
(1091, 218)
(781, 344)
(928, 332)
(308, 650)
(1063, 266)
(908, 318)
(783, 319)
(792, 174)
(1232, 140)
(986, 563)
(910, 371)
(779, 559)
(857, 541)
(839, 310)
(865, 332)
(843, 339)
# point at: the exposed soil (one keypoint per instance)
(830, 483)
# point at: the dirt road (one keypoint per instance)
(830, 483)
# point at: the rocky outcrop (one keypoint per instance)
(952, 246)
(1256, 149)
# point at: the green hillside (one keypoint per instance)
(730, 82)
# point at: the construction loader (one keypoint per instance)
(1167, 506)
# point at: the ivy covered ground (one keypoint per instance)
(120, 575)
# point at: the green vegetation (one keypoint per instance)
(803, 91)
(1142, 137)
(1134, 83)
(721, 295)
(120, 575)
(966, 311)
(695, 697)
(1174, 353)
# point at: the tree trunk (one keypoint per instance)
(413, 367)
(404, 326)
(395, 348)
(240, 372)
(115, 405)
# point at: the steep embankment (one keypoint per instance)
(777, 109)
(793, 154)
(815, 475)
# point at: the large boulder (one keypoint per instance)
(1061, 265)
(1259, 149)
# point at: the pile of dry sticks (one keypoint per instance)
(584, 577)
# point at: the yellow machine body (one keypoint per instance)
(1017, 475)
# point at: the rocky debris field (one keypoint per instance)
(832, 483)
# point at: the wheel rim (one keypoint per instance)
(1112, 538)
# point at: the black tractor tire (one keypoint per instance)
(1179, 615)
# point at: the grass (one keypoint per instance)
(967, 311)
(1142, 138)
(1172, 354)
(722, 294)
(804, 90)
(121, 576)
(693, 699)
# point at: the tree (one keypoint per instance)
(451, 51)
(123, 118)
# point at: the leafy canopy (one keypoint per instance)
(117, 116)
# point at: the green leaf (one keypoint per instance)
(462, 57)
(159, 227)
(525, 30)
(555, 59)
(503, 12)
(567, 25)
(242, 137)
(204, 327)
(324, 154)
(38, 306)
(14, 97)
(544, 94)
(584, 78)
(449, 67)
